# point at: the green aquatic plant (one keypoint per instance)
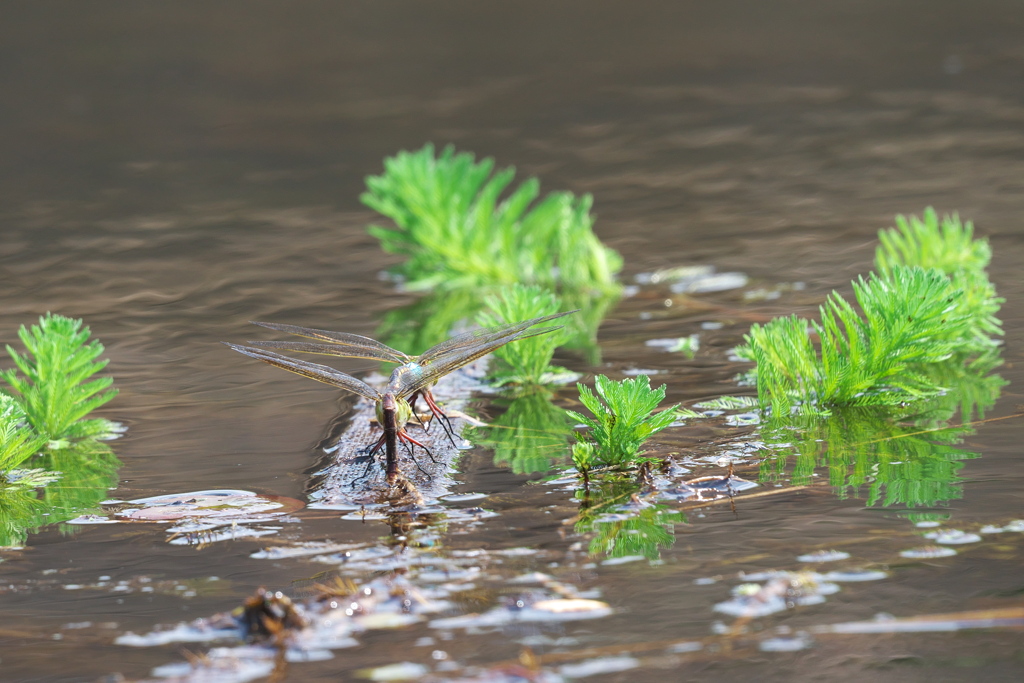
(930, 301)
(18, 442)
(455, 230)
(624, 419)
(530, 436)
(584, 459)
(949, 246)
(54, 388)
(909, 317)
(529, 361)
(928, 242)
(464, 243)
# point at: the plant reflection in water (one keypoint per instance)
(622, 523)
(85, 472)
(910, 459)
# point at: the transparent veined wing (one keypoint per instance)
(341, 351)
(412, 377)
(484, 336)
(363, 346)
(320, 373)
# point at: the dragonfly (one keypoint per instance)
(412, 378)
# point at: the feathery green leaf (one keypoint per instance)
(52, 389)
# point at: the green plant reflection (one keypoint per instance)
(430, 320)
(622, 524)
(910, 460)
(87, 470)
(532, 435)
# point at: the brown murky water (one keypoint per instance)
(169, 173)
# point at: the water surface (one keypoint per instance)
(170, 173)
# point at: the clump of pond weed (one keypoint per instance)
(43, 428)
(527, 361)
(54, 388)
(930, 302)
(950, 246)
(456, 231)
(623, 419)
(18, 442)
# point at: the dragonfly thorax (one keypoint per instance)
(405, 374)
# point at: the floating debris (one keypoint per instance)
(766, 294)
(793, 644)
(824, 556)
(686, 345)
(673, 274)
(727, 485)
(693, 279)
(223, 665)
(743, 419)
(927, 552)
(598, 666)
(401, 671)
(953, 537)
(622, 560)
(204, 517)
(552, 610)
(783, 591)
(462, 497)
(199, 631)
(268, 615)
(855, 575)
(303, 549)
(91, 519)
(636, 372)
(206, 504)
(1010, 617)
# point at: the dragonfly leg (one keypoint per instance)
(419, 467)
(446, 423)
(370, 461)
(419, 419)
(375, 448)
(411, 450)
(402, 435)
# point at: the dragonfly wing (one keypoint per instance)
(342, 351)
(484, 336)
(321, 373)
(405, 383)
(344, 339)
